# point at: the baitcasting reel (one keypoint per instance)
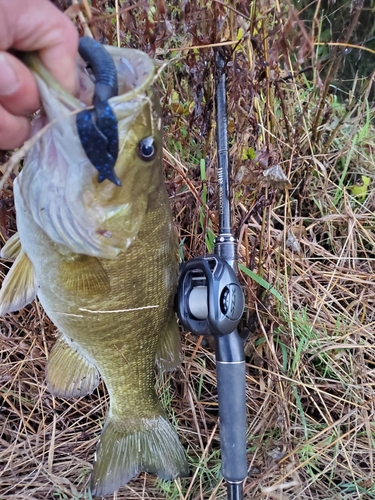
(210, 299)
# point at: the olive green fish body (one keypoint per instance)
(103, 261)
(117, 324)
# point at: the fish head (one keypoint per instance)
(139, 162)
(58, 184)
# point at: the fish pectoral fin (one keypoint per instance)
(19, 286)
(12, 248)
(123, 452)
(84, 275)
(69, 374)
(168, 350)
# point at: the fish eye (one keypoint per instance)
(147, 149)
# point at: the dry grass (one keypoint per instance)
(310, 356)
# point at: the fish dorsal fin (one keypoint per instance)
(69, 374)
(19, 287)
(168, 350)
(84, 275)
(12, 248)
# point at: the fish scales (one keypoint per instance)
(137, 278)
(107, 283)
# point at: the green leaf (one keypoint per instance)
(261, 281)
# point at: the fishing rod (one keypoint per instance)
(211, 302)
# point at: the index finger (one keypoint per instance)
(39, 25)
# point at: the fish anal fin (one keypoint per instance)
(69, 374)
(83, 275)
(19, 287)
(122, 453)
(12, 248)
(168, 350)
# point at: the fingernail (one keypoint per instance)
(9, 81)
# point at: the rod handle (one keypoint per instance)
(232, 411)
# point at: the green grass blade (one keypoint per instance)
(261, 281)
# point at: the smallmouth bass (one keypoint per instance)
(102, 260)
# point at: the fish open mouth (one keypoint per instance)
(135, 73)
(72, 199)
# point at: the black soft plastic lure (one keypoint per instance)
(97, 128)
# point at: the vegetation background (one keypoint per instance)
(301, 128)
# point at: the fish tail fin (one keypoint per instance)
(121, 454)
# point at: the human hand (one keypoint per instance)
(31, 25)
